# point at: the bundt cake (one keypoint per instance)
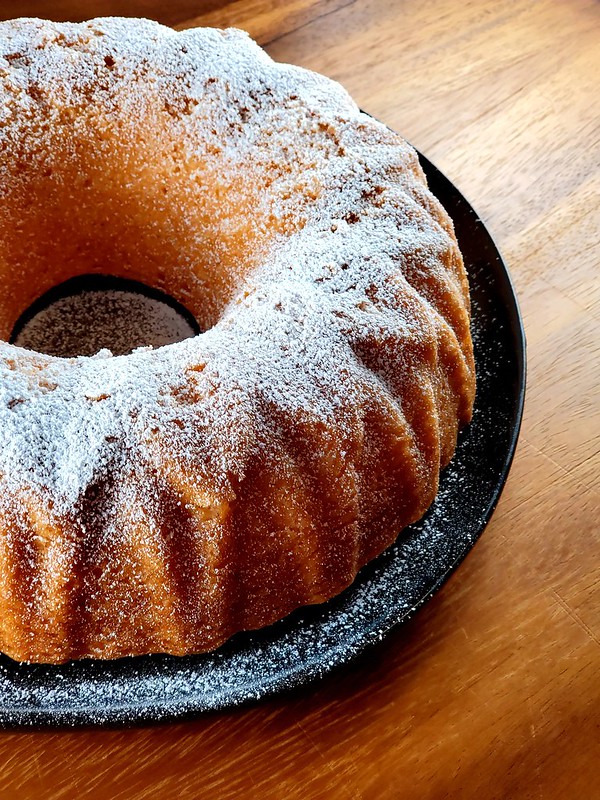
(164, 500)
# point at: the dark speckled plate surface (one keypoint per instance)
(313, 641)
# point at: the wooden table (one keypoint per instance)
(492, 690)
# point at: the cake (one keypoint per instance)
(161, 501)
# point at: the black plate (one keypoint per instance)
(388, 591)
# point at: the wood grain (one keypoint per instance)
(266, 22)
(492, 691)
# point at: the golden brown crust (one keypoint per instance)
(163, 501)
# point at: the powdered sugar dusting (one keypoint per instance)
(342, 255)
(330, 263)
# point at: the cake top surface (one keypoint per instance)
(285, 348)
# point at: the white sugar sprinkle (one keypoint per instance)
(285, 335)
(347, 263)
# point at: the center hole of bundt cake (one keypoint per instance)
(86, 314)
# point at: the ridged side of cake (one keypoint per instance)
(164, 500)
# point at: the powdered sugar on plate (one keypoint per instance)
(115, 320)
